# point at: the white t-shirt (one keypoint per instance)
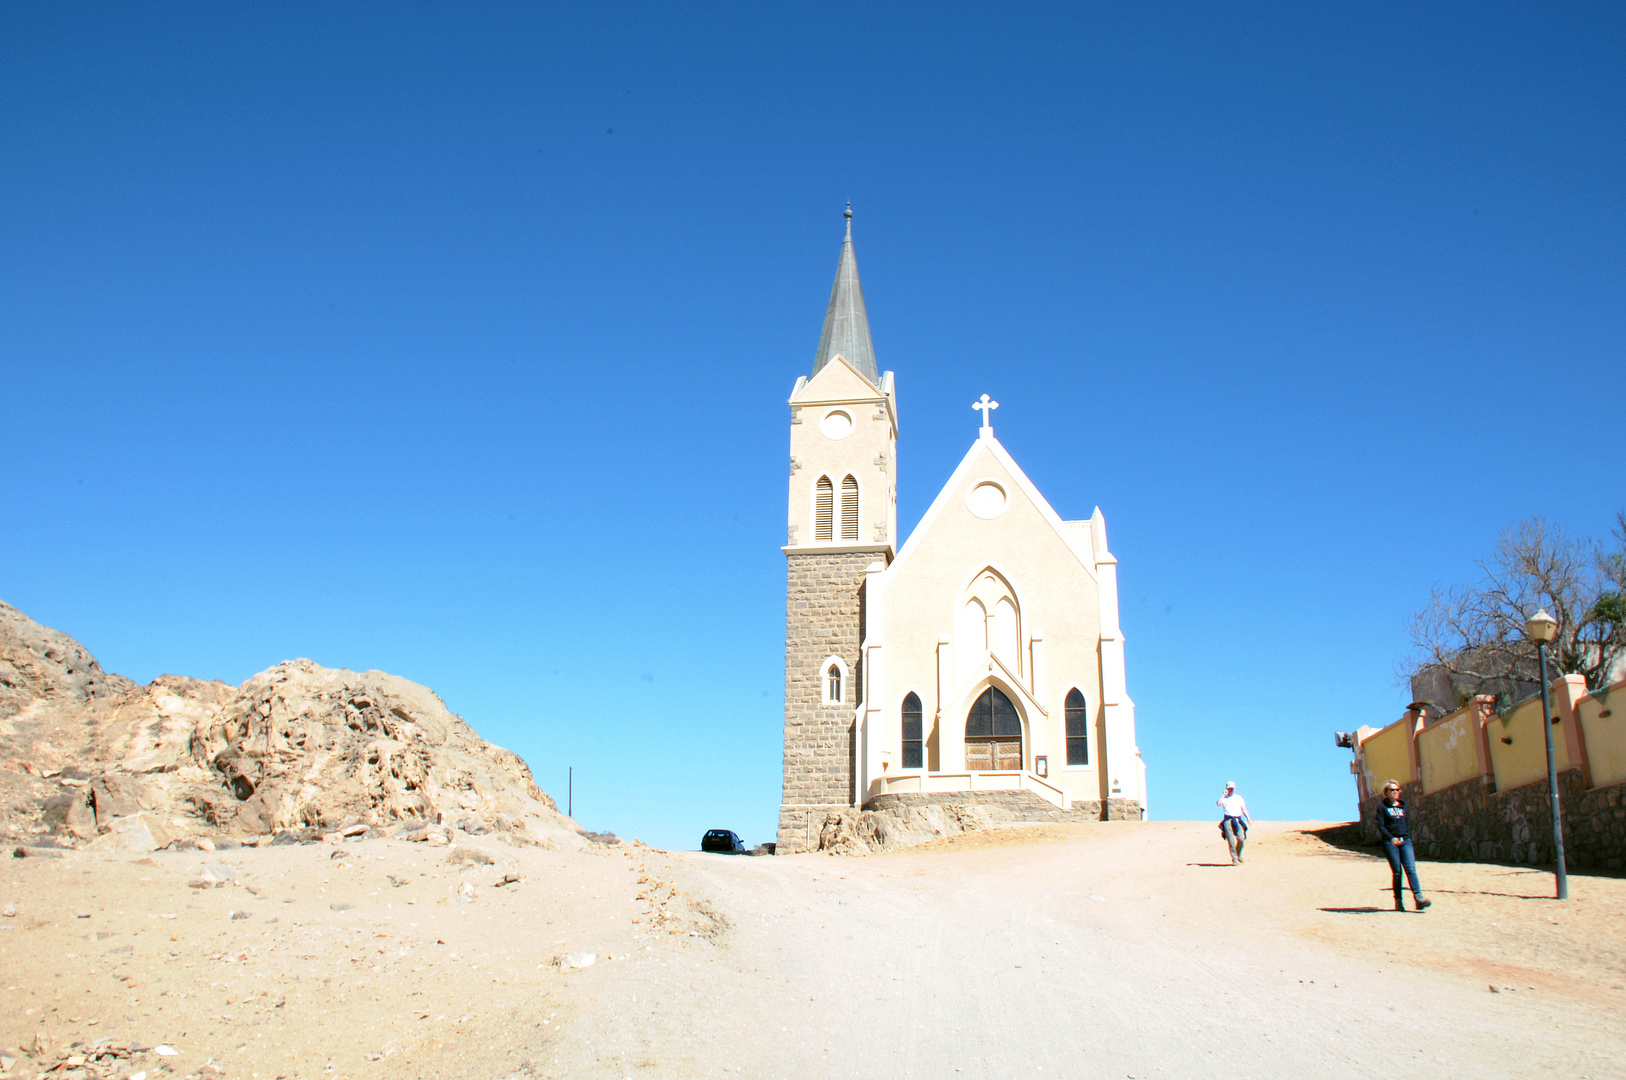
(1232, 805)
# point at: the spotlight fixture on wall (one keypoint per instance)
(1346, 739)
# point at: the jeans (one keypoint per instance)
(1403, 857)
(1234, 837)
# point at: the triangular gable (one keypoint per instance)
(837, 380)
(1022, 482)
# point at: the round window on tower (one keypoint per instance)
(986, 499)
(836, 424)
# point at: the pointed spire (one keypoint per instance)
(846, 325)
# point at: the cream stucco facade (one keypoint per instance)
(984, 654)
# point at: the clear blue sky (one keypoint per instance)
(454, 339)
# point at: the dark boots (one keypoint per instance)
(1400, 894)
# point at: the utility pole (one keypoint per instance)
(570, 793)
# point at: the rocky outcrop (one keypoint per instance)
(91, 759)
(889, 822)
(41, 668)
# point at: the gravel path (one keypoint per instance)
(1080, 951)
(1129, 951)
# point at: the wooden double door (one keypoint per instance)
(993, 734)
(988, 755)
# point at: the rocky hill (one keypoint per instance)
(89, 759)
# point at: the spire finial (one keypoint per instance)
(846, 326)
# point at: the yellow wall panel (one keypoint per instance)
(1445, 751)
(1518, 747)
(1605, 735)
(1385, 756)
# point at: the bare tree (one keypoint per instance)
(1475, 633)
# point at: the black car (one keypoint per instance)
(722, 840)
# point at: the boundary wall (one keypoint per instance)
(1476, 781)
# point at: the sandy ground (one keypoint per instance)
(1111, 950)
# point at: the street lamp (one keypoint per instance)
(1542, 628)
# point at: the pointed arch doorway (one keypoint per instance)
(993, 734)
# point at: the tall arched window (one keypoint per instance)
(832, 685)
(849, 509)
(823, 511)
(973, 630)
(1078, 729)
(1002, 633)
(993, 733)
(913, 758)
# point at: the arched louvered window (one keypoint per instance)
(849, 509)
(832, 685)
(993, 733)
(1078, 730)
(823, 511)
(913, 758)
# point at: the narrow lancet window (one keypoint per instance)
(832, 685)
(849, 509)
(823, 511)
(1078, 730)
(912, 742)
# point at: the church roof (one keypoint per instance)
(846, 325)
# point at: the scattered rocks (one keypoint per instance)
(469, 855)
(9, 911)
(340, 906)
(213, 877)
(575, 961)
(136, 834)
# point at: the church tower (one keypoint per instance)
(842, 521)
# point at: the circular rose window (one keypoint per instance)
(836, 424)
(986, 500)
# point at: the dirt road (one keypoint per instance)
(1111, 950)
(1128, 950)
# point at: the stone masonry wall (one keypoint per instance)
(822, 618)
(1015, 804)
(1473, 822)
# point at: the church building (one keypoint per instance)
(980, 661)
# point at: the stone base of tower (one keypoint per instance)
(823, 619)
(799, 825)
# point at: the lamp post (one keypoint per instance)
(1542, 628)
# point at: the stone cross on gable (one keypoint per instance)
(985, 407)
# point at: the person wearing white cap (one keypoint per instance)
(1234, 824)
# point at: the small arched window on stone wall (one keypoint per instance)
(1078, 729)
(849, 509)
(824, 499)
(913, 757)
(993, 734)
(833, 682)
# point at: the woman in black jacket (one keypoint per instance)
(1397, 847)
